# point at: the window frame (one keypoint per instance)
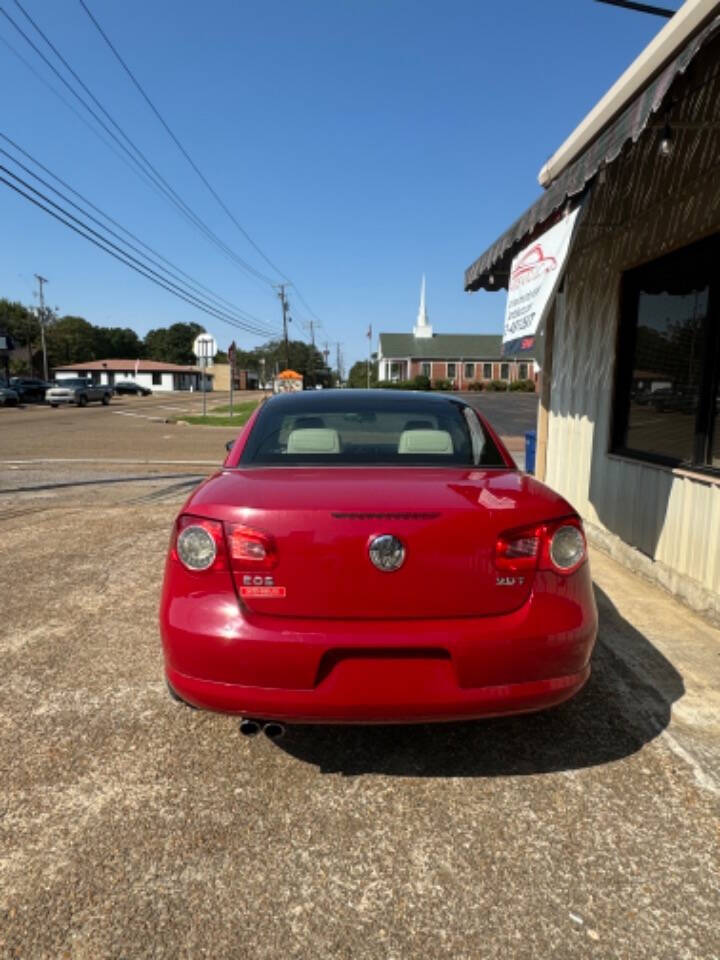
(485, 368)
(520, 371)
(506, 367)
(471, 375)
(453, 375)
(426, 369)
(157, 378)
(707, 419)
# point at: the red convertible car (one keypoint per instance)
(374, 557)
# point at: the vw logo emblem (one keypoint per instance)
(387, 552)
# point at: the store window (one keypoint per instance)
(469, 371)
(668, 360)
(504, 371)
(451, 371)
(487, 371)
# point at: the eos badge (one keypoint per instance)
(387, 553)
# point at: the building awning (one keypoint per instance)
(491, 270)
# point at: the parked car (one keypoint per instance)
(674, 399)
(128, 387)
(78, 391)
(8, 396)
(374, 556)
(30, 388)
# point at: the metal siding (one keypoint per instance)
(645, 207)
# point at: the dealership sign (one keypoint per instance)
(534, 275)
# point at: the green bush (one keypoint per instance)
(497, 385)
(442, 385)
(476, 385)
(421, 382)
(525, 386)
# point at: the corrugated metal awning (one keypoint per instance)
(490, 271)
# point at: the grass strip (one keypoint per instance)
(241, 414)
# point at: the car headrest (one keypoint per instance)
(305, 423)
(314, 440)
(425, 441)
(418, 425)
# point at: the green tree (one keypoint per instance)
(358, 374)
(70, 340)
(172, 344)
(269, 358)
(21, 324)
(120, 343)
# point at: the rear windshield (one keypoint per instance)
(369, 431)
(70, 382)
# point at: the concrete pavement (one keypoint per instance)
(134, 827)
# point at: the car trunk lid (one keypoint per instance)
(323, 523)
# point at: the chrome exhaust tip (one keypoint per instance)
(274, 730)
(249, 727)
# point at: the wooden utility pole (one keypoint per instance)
(338, 362)
(283, 301)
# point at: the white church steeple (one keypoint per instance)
(422, 329)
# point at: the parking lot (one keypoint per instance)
(131, 826)
(133, 429)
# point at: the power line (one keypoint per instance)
(81, 118)
(175, 140)
(84, 231)
(189, 159)
(143, 164)
(199, 287)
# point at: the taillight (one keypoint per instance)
(557, 545)
(199, 544)
(250, 549)
(518, 550)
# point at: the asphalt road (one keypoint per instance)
(511, 414)
(135, 429)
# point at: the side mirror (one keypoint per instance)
(229, 445)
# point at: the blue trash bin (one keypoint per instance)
(530, 441)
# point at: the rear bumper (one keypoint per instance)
(360, 699)
(219, 657)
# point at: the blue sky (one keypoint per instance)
(359, 142)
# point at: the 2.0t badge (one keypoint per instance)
(387, 552)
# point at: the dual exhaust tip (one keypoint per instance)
(272, 729)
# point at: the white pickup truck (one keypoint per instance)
(77, 391)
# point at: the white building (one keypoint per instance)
(159, 377)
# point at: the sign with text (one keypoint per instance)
(534, 275)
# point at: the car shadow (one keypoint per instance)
(625, 704)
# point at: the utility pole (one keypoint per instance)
(369, 359)
(313, 371)
(338, 361)
(283, 301)
(41, 281)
